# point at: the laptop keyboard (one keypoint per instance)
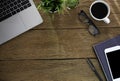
(9, 8)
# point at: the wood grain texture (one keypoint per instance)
(56, 50)
(47, 44)
(48, 70)
(70, 19)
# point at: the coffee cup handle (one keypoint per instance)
(107, 20)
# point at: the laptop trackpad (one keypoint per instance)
(10, 28)
(31, 17)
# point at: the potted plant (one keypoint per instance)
(52, 6)
(72, 3)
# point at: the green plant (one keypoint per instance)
(52, 6)
(72, 3)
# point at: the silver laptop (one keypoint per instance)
(16, 17)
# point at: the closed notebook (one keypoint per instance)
(99, 51)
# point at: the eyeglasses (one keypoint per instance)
(92, 28)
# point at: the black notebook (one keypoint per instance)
(99, 51)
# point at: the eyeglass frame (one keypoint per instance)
(90, 22)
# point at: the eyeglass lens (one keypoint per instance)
(92, 27)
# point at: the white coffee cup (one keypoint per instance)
(100, 10)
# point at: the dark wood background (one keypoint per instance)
(57, 49)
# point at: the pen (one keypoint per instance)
(93, 69)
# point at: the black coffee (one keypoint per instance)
(99, 10)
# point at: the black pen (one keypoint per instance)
(93, 69)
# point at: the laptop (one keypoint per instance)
(16, 17)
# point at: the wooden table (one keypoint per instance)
(57, 49)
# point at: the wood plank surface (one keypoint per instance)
(48, 70)
(70, 19)
(47, 44)
(56, 50)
